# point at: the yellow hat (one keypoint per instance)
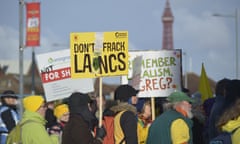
(33, 103)
(60, 110)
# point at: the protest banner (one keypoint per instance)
(160, 72)
(99, 54)
(55, 72)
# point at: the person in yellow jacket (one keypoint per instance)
(34, 131)
(144, 122)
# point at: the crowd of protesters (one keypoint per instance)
(184, 118)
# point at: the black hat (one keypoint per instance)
(9, 93)
(77, 101)
(124, 92)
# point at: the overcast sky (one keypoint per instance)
(203, 37)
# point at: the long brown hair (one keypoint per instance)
(231, 113)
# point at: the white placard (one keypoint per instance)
(160, 72)
(55, 72)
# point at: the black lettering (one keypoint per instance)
(83, 47)
(121, 57)
(103, 64)
(113, 46)
(75, 48)
(111, 67)
(86, 62)
(76, 70)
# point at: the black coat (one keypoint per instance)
(78, 131)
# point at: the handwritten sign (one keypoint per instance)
(160, 72)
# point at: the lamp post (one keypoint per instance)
(235, 16)
(21, 50)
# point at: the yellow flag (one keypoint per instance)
(204, 86)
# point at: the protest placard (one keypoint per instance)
(99, 54)
(55, 72)
(160, 72)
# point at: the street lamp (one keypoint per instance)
(235, 16)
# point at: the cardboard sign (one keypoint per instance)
(55, 71)
(99, 54)
(160, 72)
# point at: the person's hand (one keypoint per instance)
(101, 132)
(54, 130)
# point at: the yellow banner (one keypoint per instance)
(98, 54)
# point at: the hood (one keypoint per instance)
(231, 125)
(123, 106)
(78, 101)
(29, 115)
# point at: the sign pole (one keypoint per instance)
(100, 102)
(153, 107)
(33, 71)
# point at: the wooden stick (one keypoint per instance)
(153, 107)
(100, 102)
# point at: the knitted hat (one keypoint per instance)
(60, 110)
(178, 97)
(124, 92)
(9, 93)
(33, 103)
(77, 101)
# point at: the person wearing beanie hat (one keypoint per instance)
(173, 125)
(125, 120)
(32, 103)
(61, 112)
(9, 115)
(124, 93)
(34, 131)
(80, 126)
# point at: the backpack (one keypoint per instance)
(108, 123)
(14, 137)
(223, 138)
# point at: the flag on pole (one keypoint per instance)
(33, 24)
(204, 86)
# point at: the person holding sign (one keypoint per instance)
(125, 120)
(174, 126)
(81, 123)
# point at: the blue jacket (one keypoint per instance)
(8, 120)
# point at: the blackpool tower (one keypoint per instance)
(167, 19)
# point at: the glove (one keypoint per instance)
(54, 130)
(101, 133)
